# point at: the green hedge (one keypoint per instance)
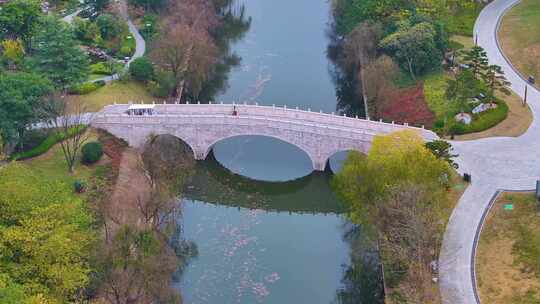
(86, 87)
(100, 68)
(47, 144)
(482, 121)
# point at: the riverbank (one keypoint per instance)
(507, 269)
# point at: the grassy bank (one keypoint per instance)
(519, 36)
(119, 92)
(508, 256)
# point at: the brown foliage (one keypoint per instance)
(378, 85)
(187, 53)
(185, 47)
(409, 222)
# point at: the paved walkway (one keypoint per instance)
(140, 44)
(495, 163)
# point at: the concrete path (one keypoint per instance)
(69, 18)
(495, 164)
(140, 44)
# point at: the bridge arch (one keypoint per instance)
(303, 148)
(319, 135)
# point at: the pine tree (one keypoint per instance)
(495, 81)
(476, 59)
(57, 55)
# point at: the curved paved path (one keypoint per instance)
(140, 44)
(495, 164)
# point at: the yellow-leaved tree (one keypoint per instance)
(398, 193)
(12, 52)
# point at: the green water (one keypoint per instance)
(268, 230)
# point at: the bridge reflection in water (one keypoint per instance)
(212, 183)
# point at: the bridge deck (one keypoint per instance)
(279, 115)
(320, 135)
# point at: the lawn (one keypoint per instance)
(517, 121)
(462, 21)
(52, 165)
(508, 256)
(117, 91)
(519, 36)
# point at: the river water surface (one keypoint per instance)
(271, 232)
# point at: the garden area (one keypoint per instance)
(508, 254)
(422, 67)
(519, 36)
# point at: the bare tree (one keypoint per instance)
(360, 49)
(185, 47)
(69, 124)
(377, 84)
(412, 233)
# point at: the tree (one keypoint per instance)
(462, 88)
(69, 124)
(442, 150)
(495, 82)
(109, 26)
(98, 5)
(476, 59)
(19, 19)
(12, 52)
(399, 157)
(149, 5)
(398, 192)
(45, 236)
(138, 268)
(414, 48)
(142, 69)
(378, 84)
(57, 55)
(20, 95)
(360, 49)
(85, 30)
(2, 146)
(188, 54)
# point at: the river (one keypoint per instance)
(268, 230)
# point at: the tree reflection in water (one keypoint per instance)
(362, 278)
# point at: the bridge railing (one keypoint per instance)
(282, 114)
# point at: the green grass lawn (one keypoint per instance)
(520, 37)
(508, 257)
(117, 91)
(462, 21)
(52, 165)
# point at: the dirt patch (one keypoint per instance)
(132, 188)
(112, 147)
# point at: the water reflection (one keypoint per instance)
(215, 184)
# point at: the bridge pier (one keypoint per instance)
(319, 165)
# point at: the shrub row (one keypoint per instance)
(482, 121)
(86, 87)
(100, 68)
(50, 141)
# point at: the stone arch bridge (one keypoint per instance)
(318, 134)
